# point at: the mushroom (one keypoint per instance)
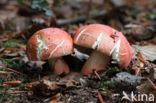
(51, 44)
(107, 43)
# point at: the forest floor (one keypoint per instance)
(25, 81)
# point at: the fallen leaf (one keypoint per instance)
(148, 52)
(53, 83)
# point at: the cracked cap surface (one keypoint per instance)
(49, 43)
(106, 40)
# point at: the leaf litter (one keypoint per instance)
(27, 81)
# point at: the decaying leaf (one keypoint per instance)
(53, 83)
(148, 52)
(146, 87)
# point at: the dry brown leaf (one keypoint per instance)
(140, 57)
(51, 83)
(148, 52)
(137, 66)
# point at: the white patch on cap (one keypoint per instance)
(56, 48)
(123, 54)
(41, 46)
(97, 42)
(115, 51)
(64, 51)
(80, 35)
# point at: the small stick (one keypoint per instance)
(100, 98)
(97, 75)
(16, 92)
(4, 73)
(11, 70)
(4, 85)
(152, 84)
(28, 86)
(12, 82)
(80, 18)
(21, 46)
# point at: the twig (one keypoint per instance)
(11, 70)
(4, 73)
(4, 85)
(12, 82)
(152, 84)
(16, 92)
(53, 98)
(28, 85)
(21, 46)
(95, 72)
(100, 97)
(80, 18)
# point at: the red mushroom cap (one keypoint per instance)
(49, 43)
(106, 40)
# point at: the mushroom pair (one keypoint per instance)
(106, 42)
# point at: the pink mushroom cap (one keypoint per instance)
(106, 40)
(49, 43)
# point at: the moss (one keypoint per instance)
(11, 63)
(9, 43)
(105, 84)
(112, 70)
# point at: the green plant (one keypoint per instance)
(11, 63)
(9, 43)
(105, 84)
(112, 70)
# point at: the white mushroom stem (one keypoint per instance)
(59, 65)
(97, 61)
